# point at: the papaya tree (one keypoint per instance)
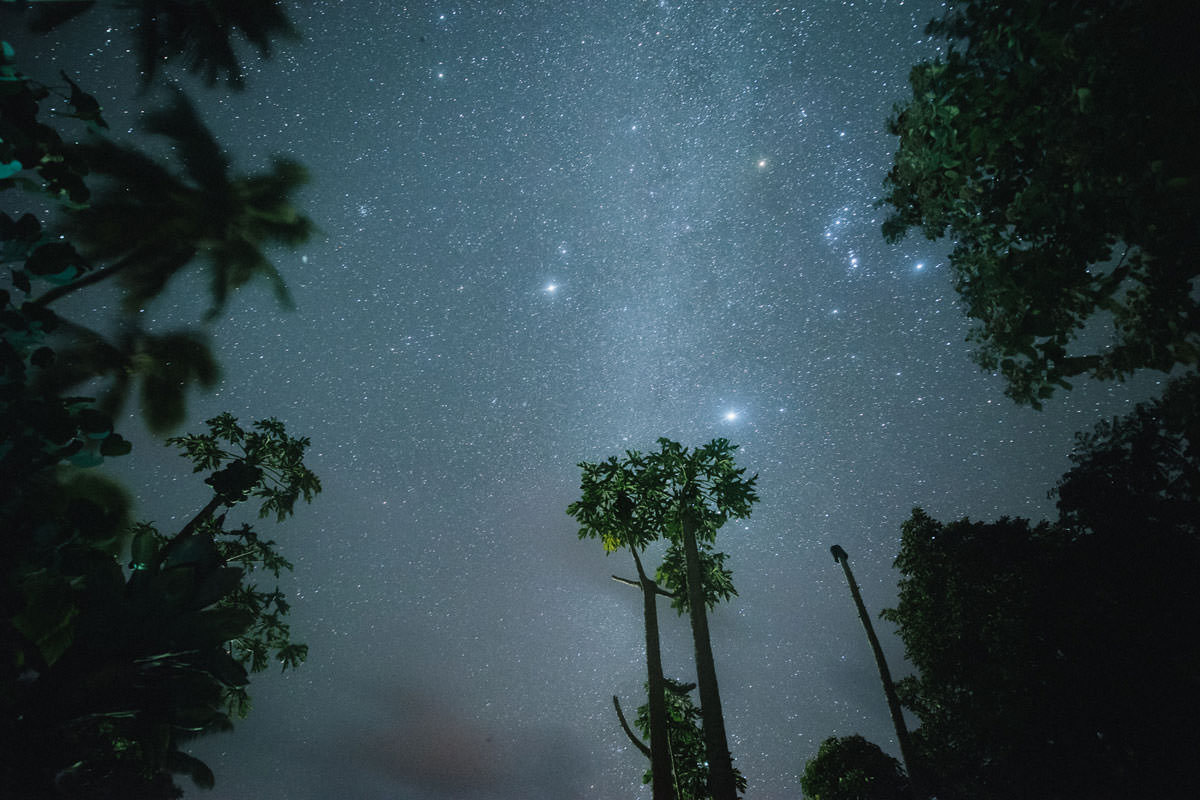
(110, 666)
(607, 484)
(681, 496)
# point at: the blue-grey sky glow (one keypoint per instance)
(551, 232)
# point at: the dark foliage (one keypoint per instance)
(687, 742)
(201, 34)
(1053, 144)
(1052, 662)
(851, 768)
(119, 643)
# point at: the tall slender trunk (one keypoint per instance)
(885, 675)
(721, 782)
(663, 778)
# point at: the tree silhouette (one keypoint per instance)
(200, 34)
(685, 497)
(1140, 472)
(851, 768)
(148, 222)
(108, 671)
(108, 666)
(1046, 144)
(1050, 660)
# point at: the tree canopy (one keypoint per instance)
(108, 668)
(1051, 661)
(851, 768)
(119, 642)
(203, 36)
(1053, 145)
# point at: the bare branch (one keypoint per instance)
(634, 583)
(638, 743)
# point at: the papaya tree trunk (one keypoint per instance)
(721, 782)
(663, 777)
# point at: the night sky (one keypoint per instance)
(551, 232)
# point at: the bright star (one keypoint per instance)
(730, 416)
(551, 288)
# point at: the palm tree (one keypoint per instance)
(722, 777)
(201, 34)
(165, 365)
(148, 222)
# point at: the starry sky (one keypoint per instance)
(552, 231)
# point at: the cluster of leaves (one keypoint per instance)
(263, 462)
(33, 156)
(716, 578)
(851, 768)
(1058, 660)
(108, 670)
(687, 742)
(200, 35)
(200, 210)
(138, 222)
(1140, 471)
(109, 667)
(634, 501)
(41, 429)
(1047, 146)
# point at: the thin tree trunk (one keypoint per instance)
(660, 743)
(885, 675)
(638, 743)
(716, 747)
(188, 530)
